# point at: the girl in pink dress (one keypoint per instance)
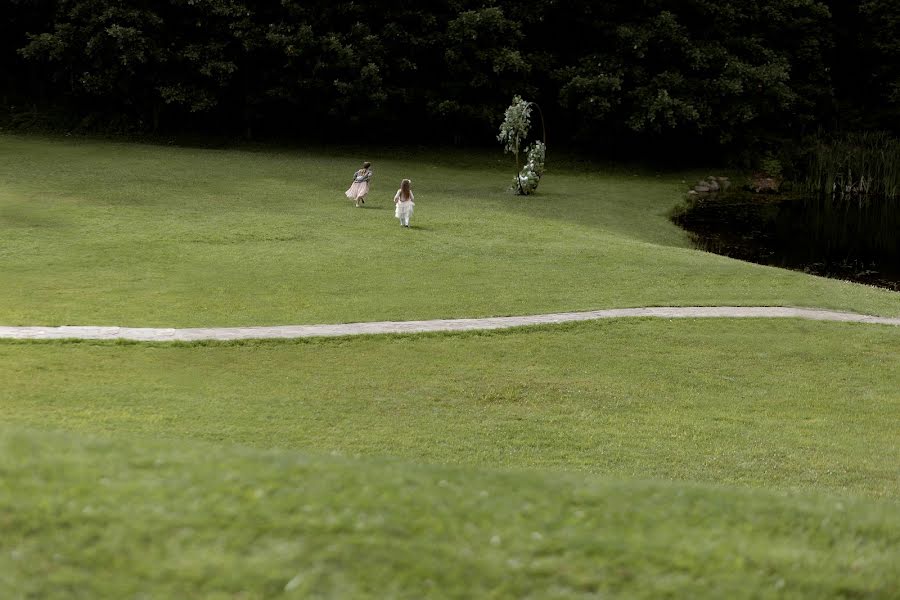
(360, 187)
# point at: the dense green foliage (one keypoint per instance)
(705, 71)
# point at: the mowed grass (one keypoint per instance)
(85, 517)
(95, 232)
(761, 403)
(635, 458)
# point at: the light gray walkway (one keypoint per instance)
(301, 331)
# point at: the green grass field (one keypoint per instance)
(638, 458)
(754, 402)
(95, 518)
(120, 234)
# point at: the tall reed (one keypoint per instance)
(860, 167)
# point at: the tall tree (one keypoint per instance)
(881, 43)
(652, 73)
(711, 68)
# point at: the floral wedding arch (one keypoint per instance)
(513, 132)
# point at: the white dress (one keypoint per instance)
(404, 209)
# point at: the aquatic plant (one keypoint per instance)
(860, 167)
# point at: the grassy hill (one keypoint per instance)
(114, 518)
(764, 403)
(121, 234)
(639, 458)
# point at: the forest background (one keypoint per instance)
(708, 79)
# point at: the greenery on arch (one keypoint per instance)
(513, 132)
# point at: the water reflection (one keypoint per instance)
(859, 241)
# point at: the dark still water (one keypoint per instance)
(855, 241)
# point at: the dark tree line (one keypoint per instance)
(627, 73)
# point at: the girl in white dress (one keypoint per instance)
(403, 200)
(360, 187)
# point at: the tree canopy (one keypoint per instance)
(702, 72)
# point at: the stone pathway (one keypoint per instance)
(147, 334)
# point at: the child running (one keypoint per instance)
(360, 187)
(404, 201)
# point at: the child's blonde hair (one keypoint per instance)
(404, 188)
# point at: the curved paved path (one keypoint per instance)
(147, 334)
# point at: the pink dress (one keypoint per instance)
(360, 187)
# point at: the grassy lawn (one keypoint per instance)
(718, 458)
(114, 518)
(763, 403)
(122, 234)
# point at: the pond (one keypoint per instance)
(854, 241)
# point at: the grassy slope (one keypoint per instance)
(105, 233)
(109, 233)
(91, 518)
(787, 404)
